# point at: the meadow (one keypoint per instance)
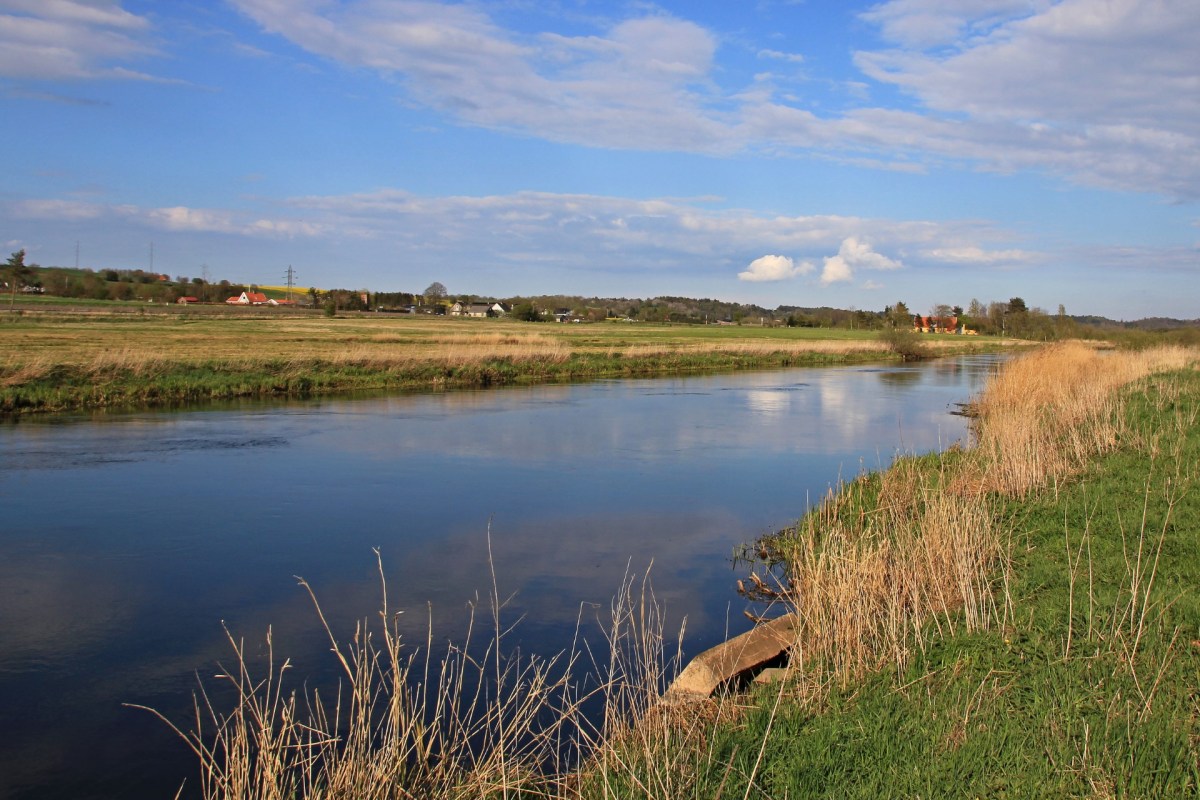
(99, 358)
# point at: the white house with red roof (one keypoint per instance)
(248, 299)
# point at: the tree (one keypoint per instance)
(996, 312)
(527, 312)
(435, 293)
(18, 272)
(1016, 320)
(899, 316)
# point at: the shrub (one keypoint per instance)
(904, 342)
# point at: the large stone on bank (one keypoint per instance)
(733, 659)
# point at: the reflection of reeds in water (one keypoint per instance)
(750, 347)
(471, 722)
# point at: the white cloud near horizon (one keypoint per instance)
(573, 231)
(976, 255)
(177, 219)
(774, 268)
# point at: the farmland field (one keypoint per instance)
(69, 359)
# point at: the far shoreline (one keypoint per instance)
(66, 361)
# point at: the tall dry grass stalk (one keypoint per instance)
(1047, 413)
(472, 722)
(882, 562)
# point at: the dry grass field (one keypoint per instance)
(59, 361)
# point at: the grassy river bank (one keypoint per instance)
(1020, 619)
(65, 361)
(1015, 619)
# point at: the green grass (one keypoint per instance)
(1090, 688)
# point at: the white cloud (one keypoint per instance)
(854, 254)
(1101, 92)
(928, 23)
(1105, 92)
(793, 58)
(70, 39)
(774, 268)
(63, 210)
(860, 255)
(174, 218)
(836, 270)
(644, 83)
(570, 231)
(977, 255)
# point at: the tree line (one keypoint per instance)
(1013, 317)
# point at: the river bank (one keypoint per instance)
(1018, 619)
(67, 362)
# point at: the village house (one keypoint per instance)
(478, 310)
(248, 299)
(938, 325)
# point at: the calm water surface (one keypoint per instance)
(125, 540)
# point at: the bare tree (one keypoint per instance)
(435, 292)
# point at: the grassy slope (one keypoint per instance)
(1090, 693)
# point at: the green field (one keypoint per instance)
(106, 355)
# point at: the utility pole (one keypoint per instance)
(290, 275)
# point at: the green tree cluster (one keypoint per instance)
(18, 274)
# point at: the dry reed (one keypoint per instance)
(1048, 412)
(474, 722)
(869, 577)
(886, 560)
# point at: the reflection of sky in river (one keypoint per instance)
(127, 538)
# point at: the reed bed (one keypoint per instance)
(884, 561)
(921, 549)
(1051, 411)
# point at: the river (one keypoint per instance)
(126, 539)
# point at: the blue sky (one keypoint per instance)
(797, 152)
